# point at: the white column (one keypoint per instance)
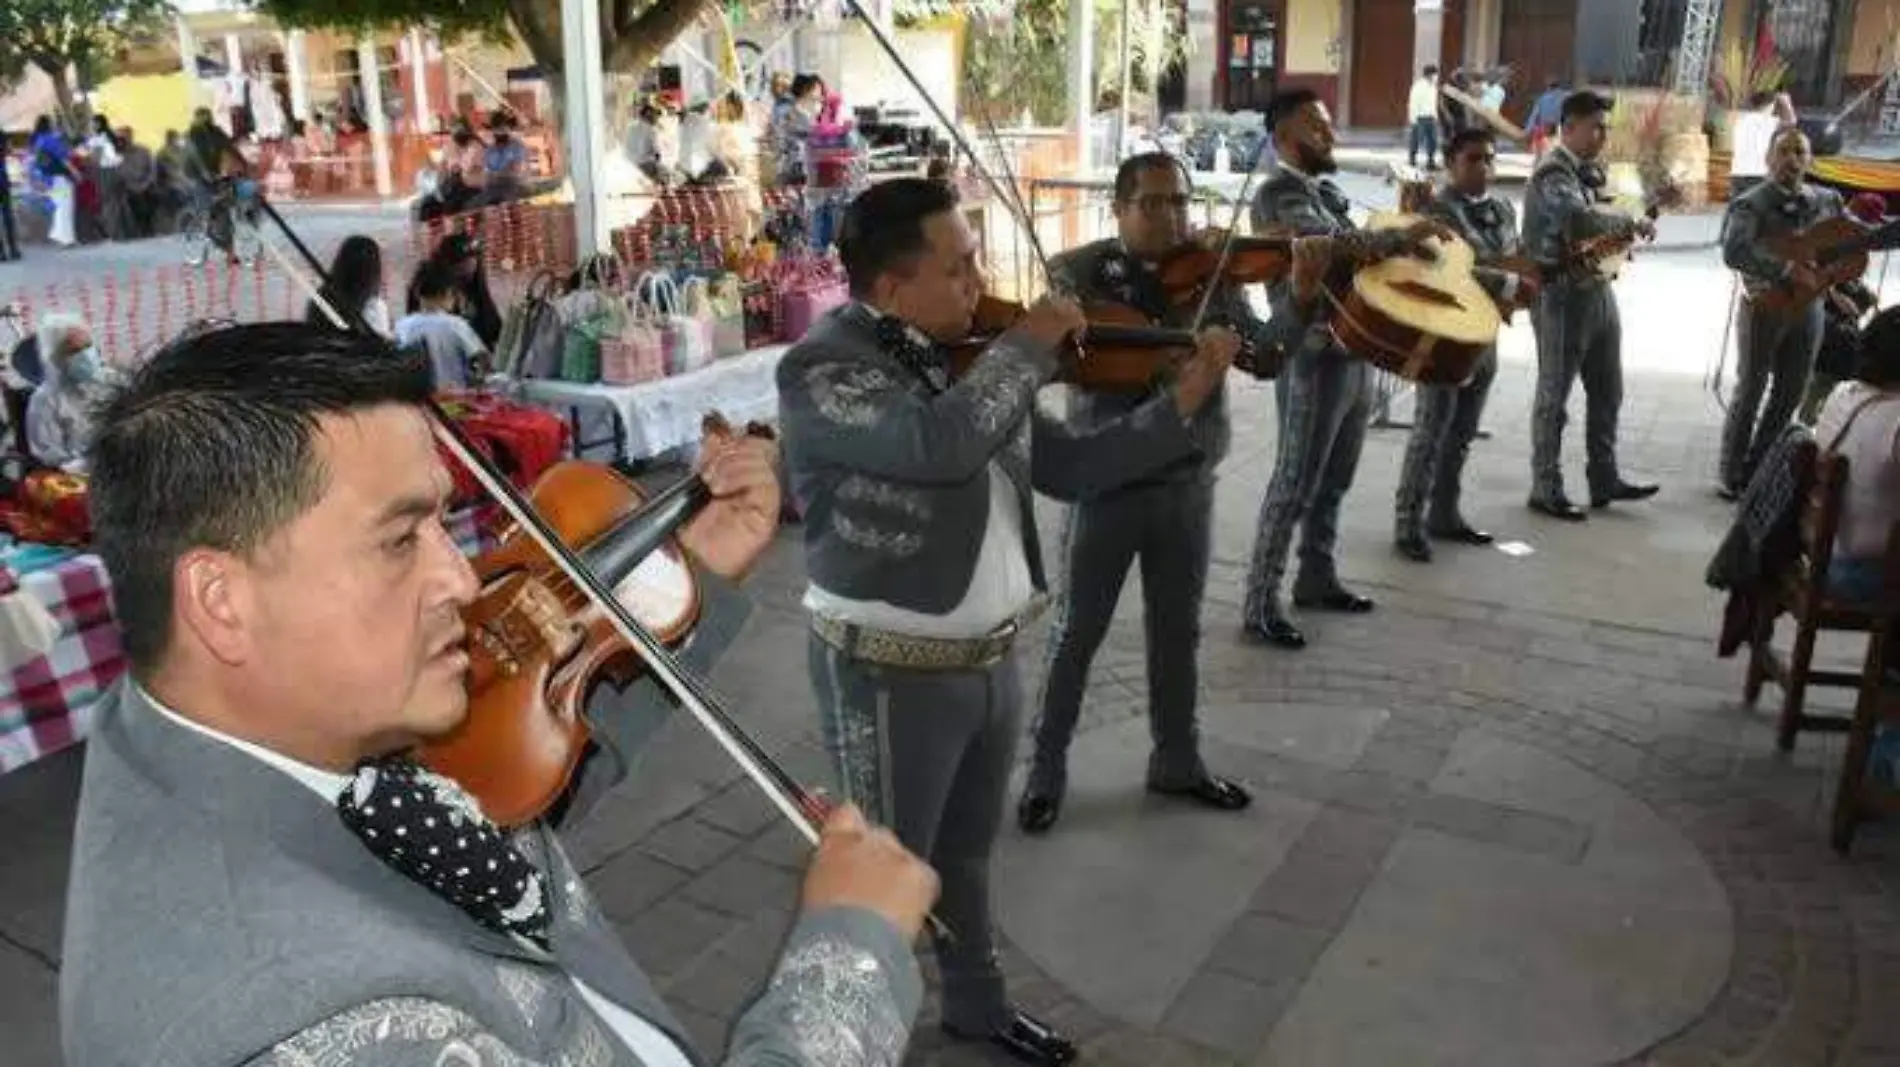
(1428, 34)
(1203, 61)
(378, 121)
(187, 49)
(298, 71)
(583, 98)
(233, 53)
(1081, 79)
(419, 74)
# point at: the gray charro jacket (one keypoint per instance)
(220, 913)
(1103, 270)
(1559, 211)
(1294, 201)
(1488, 225)
(893, 473)
(1770, 210)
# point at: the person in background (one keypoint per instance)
(1545, 115)
(74, 377)
(9, 236)
(1844, 307)
(1422, 109)
(1493, 93)
(1452, 115)
(355, 284)
(463, 253)
(1861, 421)
(642, 141)
(53, 171)
(104, 149)
(506, 161)
(794, 129)
(455, 353)
(138, 177)
(1750, 139)
(174, 182)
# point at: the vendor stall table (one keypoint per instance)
(653, 418)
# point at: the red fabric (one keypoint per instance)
(524, 441)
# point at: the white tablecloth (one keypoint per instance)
(662, 415)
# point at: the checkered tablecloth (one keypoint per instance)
(46, 703)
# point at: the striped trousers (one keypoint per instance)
(1579, 336)
(1443, 428)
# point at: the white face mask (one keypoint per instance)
(809, 107)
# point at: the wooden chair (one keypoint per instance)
(1801, 591)
(1858, 795)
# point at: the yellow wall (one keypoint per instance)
(150, 104)
(1311, 26)
(1872, 49)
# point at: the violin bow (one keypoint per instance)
(803, 809)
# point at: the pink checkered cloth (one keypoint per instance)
(46, 703)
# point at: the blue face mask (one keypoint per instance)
(85, 366)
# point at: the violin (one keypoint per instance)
(1261, 259)
(1119, 352)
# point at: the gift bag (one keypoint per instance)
(530, 343)
(591, 314)
(688, 341)
(719, 300)
(636, 354)
(807, 289)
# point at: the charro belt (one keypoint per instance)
(890, 649)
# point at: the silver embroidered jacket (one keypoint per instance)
(1561, 210)
(220, 913)
(1488, 225)
(892, 472)
(1770, 210)
(1294, 201)
(1103, 270)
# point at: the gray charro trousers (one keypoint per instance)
(1776, 356)
(1579, 335)
(1325, 399)
(928, 755)
(1169, 527)
(1442, 431)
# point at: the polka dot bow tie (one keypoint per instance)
(429, 829)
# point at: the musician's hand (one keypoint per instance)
(1803, 277)
(863, 866)
(1053, 320)
(1202, 373)
(1527, 290)
(730, 535)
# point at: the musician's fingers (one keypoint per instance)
(743, 469)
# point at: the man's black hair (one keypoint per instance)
(1128, 175)
(1286, 104)
(1467, 137)
(1586, 103)
(1430, 71)
(884, 227)
(1880, 349)
(436, 278)
(213, 444)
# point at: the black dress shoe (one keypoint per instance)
(1335, 600)
(1413, 547)
(1213, 791)
(1275, 631)
(1623, 491)
(1037, 812)
(1559, 508)
(1025, 1038)
(1461, 533)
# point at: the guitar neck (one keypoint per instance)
(1884, 238)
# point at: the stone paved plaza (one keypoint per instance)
(1516, 816)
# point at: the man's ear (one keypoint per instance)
(212, 599)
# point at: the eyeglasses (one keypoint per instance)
(1156, 203)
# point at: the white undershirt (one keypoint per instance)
(649, 1044)
(1000, 585)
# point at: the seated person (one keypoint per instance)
(456, 354)
(59, 414)
(1861, 421)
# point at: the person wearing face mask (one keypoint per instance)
(59, 414)
(1777, 348)
(1579, 332)
(1448, 414)
(808, 97)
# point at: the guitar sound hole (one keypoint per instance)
(1420, 291)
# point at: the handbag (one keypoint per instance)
(687, 341)
(591, 314)
(719, 300)
(530, 342)
(807, 289)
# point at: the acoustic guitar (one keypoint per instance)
(1835, 249)
(1607, 254)
(1424, 319)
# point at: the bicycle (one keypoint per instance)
(228, 221)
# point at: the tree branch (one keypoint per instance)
(640, 40)
(539, 24)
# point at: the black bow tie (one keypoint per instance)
(1334, 200)
(1486, 213)
(924, 360)
(427, 828)
(1592, 176)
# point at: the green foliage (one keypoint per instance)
(1021, 63)
(55, 35)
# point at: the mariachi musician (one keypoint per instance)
(1776, 347)
(1165, 518)
(1447, 418)
(1579, 334)
(921, 549)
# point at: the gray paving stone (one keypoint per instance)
(632, 882)
(1226, 1012)
(742, 886)
(740, 810)
(1316, 891)
(689, 844)
(667, 938)
(1269, 950)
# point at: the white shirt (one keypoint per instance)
(1870, 502)
(1423, 102)
(650, 1045)
(1492, 97)
(1753, 135)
